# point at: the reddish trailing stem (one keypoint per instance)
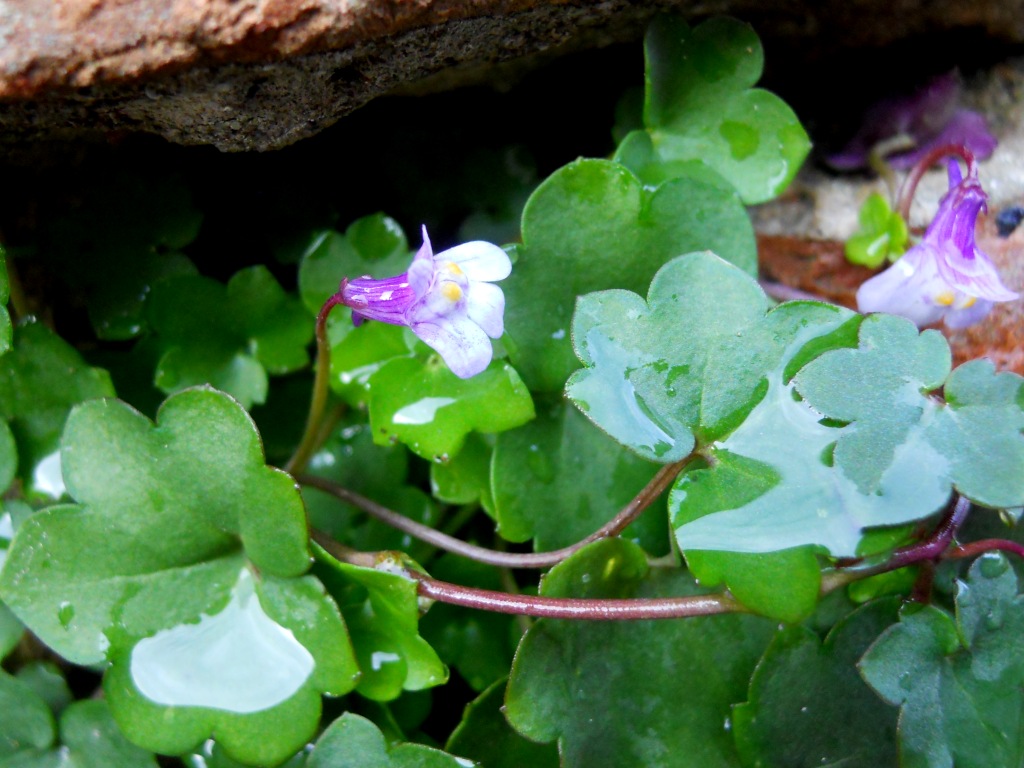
(630, 512)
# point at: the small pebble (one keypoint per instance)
(1009, 219)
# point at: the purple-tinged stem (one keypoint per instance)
(661, 480)
(931, 548)
(588, 609)
(909, 187)
(935, 545)
(986, 545)
(310, 437)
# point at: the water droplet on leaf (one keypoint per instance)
(993, 565)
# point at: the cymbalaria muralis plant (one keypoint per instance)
(763, 534)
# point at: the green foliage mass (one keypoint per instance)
(818, 493)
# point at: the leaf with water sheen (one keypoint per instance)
(701, 365)
(831, 482)
(559, 479)
(231, 337)
(358, 353)
(981, 434)
(974, 442)
(807, 704)
(786, 478)
(593, 226)
(957, 682)
(182, 565)
(878, 466)
(645, 360)
(610, 692)
(700, 105)
(40, 380)
(381, 611)
(352, 741)
(423, 404)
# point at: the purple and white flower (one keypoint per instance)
(446, 299)
(945, 276)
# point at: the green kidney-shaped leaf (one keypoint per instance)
(643, 380)
(182, 564)
(593, 226)
(251, 672)
(381, 611)
(807, 704)
(484, 735)
(424, 405)
(40, 380)
(820, 493)
(354, 742)
(632, 693)
(981, 434)
(816, 424)
(558, 479)
(957, 682)
(700, 106)
(231, 337)
(27, 723)
(783, 483)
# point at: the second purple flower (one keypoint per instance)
(945, 276)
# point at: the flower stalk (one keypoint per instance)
(312, 434)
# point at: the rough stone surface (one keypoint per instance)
(260, 74)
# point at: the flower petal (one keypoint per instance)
(421, 271)
(975, 276)
(462, 344)
(479, 260)
(906, 288)
(485, 304)
(962, 318)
